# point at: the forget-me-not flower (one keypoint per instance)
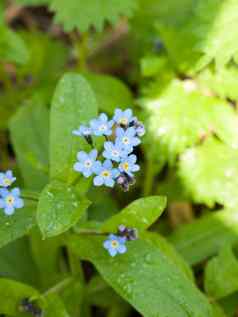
(115, 244)
(86, 162)
(114, 151)
(6, 179)
(83, 130)
(123, 117)
(106, 174)
(101, 125)
(127, 138)
(128, 165)
(10, 200)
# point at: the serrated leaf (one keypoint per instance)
(18, 224)
(110, 92)
(140, 214)
(145, 278)
(59, 208)
(32, 151)
(80, 14)
(196, 33)
(12, 294)
(74, 103)
(179, 116)
(209, 172)
(12, 47)
(221, 274)
(204, 237)
(222, 82)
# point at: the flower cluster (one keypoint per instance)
(116, 244)
(9, 199)
(122, 134)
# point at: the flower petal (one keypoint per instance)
(19, 203)
(9, 210)
(122, 249)
(16, 192)
(98, 181)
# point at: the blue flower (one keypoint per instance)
(128, 165)
(140, 129)
(123, 117)
(83, 131)
(6, 179)
(10, 200)
(115, 245)
(101, 125)
(86, 163)
(127, 138)
(105, 174)
(113, 151)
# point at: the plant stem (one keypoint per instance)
(60, 286)
(149, 177)
(30, 195)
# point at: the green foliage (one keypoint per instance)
(210, 180)
(32, 121)
(74, 103)
(12, 47)
(140, 214)
(91, 13)
(59, 208)
(145, 278)
(196, 33)
(221, 274)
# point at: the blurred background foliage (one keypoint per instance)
(176, 63)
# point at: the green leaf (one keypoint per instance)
(230, 304)
(12, 294)
(140, 214)
(55, 307)
(32, 151)
(16, 262)
(145, 278)
(222, 82)
(59, 208)
(12, 47)
(179, 116)
(73, 104)
(169, 251)
(204, 237)
(18, 224)
(197, 33)
(209, 172)
(32, 2)
(221, 274)
(110, 92)
(80, 14)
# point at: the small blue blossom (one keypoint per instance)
(10, 200)
(101, 125)
(86, 163)
(115, 244)
(83, 131)
(140, 130)
(106, 174)
(127, 138)
(114, 152)
(128, 165)
(6, 179)
(123, 117)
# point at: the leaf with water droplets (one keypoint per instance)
(59, 208)
(17, 225)
(144, 277)
(74, 103)
(140, 214)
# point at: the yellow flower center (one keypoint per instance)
(7, 181)
(125, 166)
(123, 121)
(125, 140)
(10, 200)
(114, 244)
(102, 127)
(106, 173)
(88, 164)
